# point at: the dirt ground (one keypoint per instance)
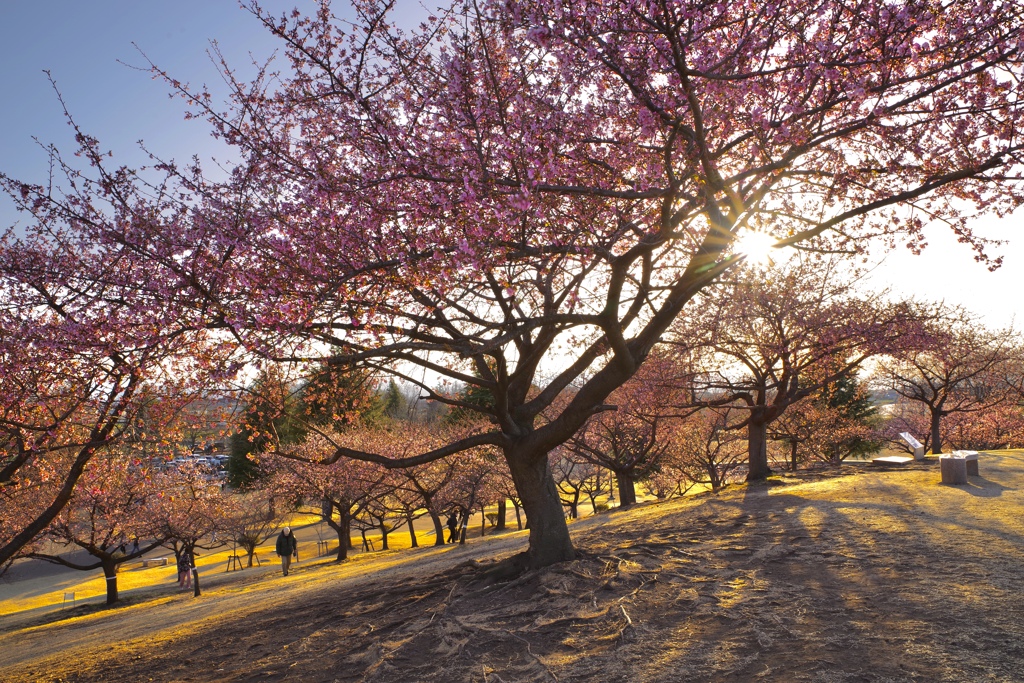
(875, 575)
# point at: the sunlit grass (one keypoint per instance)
(904, 501)
(90, 586)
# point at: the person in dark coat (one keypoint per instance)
(453, 527)
(287, 547)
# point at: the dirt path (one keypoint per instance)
(876, 576)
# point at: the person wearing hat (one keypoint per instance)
(287, 546)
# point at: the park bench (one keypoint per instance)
(235, 561)
(970, 460)
(154, 562)
(956, 466)
(892, 460)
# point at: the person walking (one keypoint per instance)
(287, 546)
(453, 527)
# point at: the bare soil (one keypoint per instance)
(855, 574)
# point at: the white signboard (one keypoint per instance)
(911, 441)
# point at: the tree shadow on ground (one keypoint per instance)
(873, 577)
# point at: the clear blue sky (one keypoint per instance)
(82, 42)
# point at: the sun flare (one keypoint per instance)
(756, 247)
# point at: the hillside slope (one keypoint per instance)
(872, 576)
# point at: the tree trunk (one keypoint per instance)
(714, 476)
(757, 450)
(483, 521)
(627, 489)
(936, 435)
(792, 455)
(519, 517)
(549, 534)
(502, 511)
(383, 535)
(195, 582)
(412, 531)
(464, 526)
(438, 528)
(344, 531)
(110, 574)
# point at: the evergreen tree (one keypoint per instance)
(272, 417)
(393, 402)
(847, 396)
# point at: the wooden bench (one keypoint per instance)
(235, 561)
(154, 562)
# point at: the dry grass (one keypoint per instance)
(90, 587)
(875, 576)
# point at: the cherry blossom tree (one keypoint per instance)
(954, 366)
(90, 357)
(1013, 373)
(526, 193)
(569, 473)
(343, 487)
(505, 490)
(190, 511)
(669, 480)
(706, 449)
(250, 518)
(904, 416)
(383, 512)
(472, 487)
(767, 341)
(998, 428)
(833, 423)
(631, 440)
(112, 506)
(430, 483)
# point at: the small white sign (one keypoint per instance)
(911, 441)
